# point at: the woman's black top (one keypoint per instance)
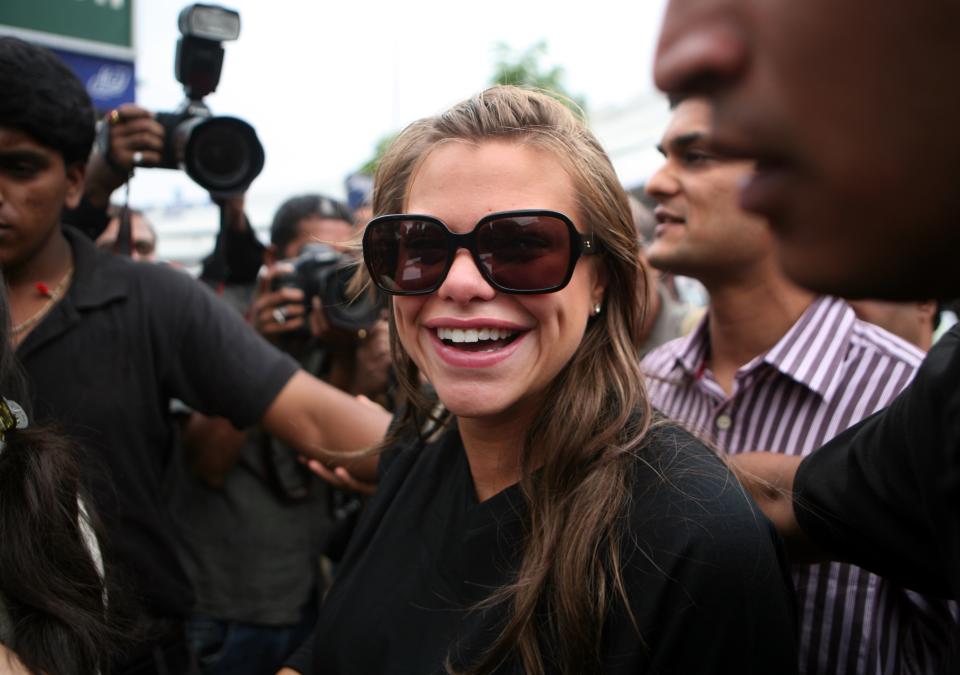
(703, 569)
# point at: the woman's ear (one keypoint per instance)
(599, 285)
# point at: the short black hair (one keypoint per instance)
(42, 98)
(284, 228)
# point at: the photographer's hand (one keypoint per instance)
(276, 312)
(373, 360)
(340, 478)
(133, 135)
(319, 326)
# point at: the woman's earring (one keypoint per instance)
(597, 308)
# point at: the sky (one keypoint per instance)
(322, 81)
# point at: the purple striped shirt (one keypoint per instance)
(828, 372)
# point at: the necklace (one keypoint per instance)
(52, 298)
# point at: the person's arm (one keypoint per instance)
(768, 477)
(323, 422)
(217, 364)
(213, 446)
(238, 253)
(340, 478)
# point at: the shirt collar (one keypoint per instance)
(96, 280)
(813, 350)
(692, 350)
(801, 354)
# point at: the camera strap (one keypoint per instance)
(104, 146)
(124, 243)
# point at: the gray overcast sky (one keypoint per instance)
(322, 81)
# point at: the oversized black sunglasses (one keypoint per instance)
(527, 251)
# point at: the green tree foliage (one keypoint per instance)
(525, 69)
(370, 166)
(511, 67)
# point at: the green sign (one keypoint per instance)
(101, 21)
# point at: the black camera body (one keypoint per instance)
(323, 272)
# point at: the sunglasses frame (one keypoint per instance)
(580, 245)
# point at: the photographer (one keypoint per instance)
(129, 233)
(255, 520)
(316, 230)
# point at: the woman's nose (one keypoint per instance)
(464, 281)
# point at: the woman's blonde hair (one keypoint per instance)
(596, 413)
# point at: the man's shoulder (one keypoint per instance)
(871, 341)
(100, 270)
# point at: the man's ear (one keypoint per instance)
(76, 172)
(927, 311)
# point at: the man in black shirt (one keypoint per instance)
(107, 344)
(851, 110)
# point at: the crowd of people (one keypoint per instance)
(504, 443)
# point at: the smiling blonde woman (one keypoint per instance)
(550, 523)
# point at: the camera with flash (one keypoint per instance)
(221, 154)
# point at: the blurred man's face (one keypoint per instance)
(35, 185)
(317, 230)
(701, 231)
(144, 244)
(851, 108)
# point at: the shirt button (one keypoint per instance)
(723, 422)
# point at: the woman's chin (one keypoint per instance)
(496, 403)
(471, 403)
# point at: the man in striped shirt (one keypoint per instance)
(772, 366)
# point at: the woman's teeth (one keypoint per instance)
(468, 335)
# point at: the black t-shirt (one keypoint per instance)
(702, 568)
(104, 365)
(885, 494)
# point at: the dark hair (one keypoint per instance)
(284, 228)
(45, 100)
(49, 583)
(116, 211)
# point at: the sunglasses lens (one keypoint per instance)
(525, 253)
(405, 256)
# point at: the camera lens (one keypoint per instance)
(223, 154)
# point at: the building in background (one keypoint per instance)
(630, 133)
(94, 38)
